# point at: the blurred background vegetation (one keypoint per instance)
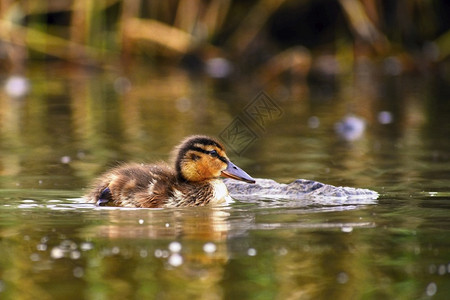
(262, 38)
(87, 84)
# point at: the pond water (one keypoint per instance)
(68, 129)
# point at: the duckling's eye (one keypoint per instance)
(213, 153)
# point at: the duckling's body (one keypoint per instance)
(199, 162)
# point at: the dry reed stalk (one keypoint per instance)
(252, 24)
(130, 10)
(362, 27)
(159, 33)
(215, 15)
(45, 43)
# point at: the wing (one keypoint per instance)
(133, 185)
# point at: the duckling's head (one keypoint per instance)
(201, 158)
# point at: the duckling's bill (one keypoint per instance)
(233, 171)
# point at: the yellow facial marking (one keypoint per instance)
(199, 166)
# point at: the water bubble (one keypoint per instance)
(342, 278)
(175, 260)
(86, 246)
(283, 251)
(347, 229)
(41, 247)
(115, 250)
(442, 270)
(28, 205)
(57, 253)
(81, 154)
(158, 253)
(161, 253)
(175, 247)
(75, 254)
(218, 67)
(54, 201)
(251, 252)
(17, 86)
(68, 245)
(350, 128)
(385, 117)
(209, 248)
(78, 272)
(141, 221)
(431, 289)
(65, 159)
(313, 122)
(143, 253)
(34, 257)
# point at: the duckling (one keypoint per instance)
(194, 180)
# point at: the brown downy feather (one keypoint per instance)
(199, 162)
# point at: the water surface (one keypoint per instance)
(67, 130)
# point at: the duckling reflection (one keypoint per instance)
(182, 249)
(199, 162)
(210, 224)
